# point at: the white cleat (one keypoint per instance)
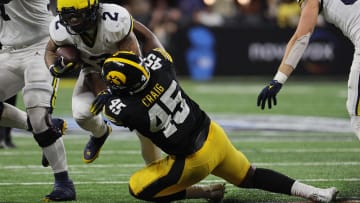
(213, 193)
(216, 192)
(324, 195)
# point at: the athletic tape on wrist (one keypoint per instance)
(280, 77)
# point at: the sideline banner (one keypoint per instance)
(202, 52)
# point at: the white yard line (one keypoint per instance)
(204, 181)
(74, 166)
(136, 152)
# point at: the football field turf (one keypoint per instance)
(320, 153)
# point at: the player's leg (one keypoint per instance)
(2, 137)
(7, 130)
(353, 99)
(236, 169)
(11, 82)
(174, 178)
(99, 129)
(38, 95)
(149, 151)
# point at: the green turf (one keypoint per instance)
(307, 156)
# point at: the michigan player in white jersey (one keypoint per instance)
(97, 30)
(346, 16)
(24, 34)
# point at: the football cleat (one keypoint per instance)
(63, 191)
(324, 195)
(93, 147)
(212, 193)
(217, 192)
(62, 126)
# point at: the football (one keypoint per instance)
(69, 52)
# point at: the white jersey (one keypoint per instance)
(24, 22)
(114, 24)
(344, 14)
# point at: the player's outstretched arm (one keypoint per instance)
(293, 53)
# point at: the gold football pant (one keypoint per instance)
(173, 175)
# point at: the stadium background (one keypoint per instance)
(225, 52)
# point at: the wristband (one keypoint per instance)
(280, 77)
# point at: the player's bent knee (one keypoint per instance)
(142, 196)
(48, 137)
(248, 181)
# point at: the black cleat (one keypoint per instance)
(93, 147)
(63, 191)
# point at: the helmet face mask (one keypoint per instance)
(77, 16)
(124, 73)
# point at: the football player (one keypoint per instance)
(343, 14)
(24, 33)
(144, 95)
(97, 30)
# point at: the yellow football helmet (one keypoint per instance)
(77, 15)
(124, 72)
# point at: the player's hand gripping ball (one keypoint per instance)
(68, 58)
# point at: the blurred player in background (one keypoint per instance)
(346, 16)
(24, 33)
(97, 30)
(145, 96)
(5, 132)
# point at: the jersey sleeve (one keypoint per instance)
(58, 33)
(117, 22)
(112, 111)
(162, 53)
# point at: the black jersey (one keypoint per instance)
(162, 111)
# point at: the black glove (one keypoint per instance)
(269, 93)
(59, 68)
(100, 101)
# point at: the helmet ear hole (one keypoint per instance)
(124, 73)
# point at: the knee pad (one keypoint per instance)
(38, 119)
(48, 137)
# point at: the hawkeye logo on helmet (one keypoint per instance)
(116, 78)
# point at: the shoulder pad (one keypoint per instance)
(164, 53)
(58, 32)
(116, 19)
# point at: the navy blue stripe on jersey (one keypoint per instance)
(357, 112)
(166, 181)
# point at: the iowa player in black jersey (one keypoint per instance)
(145, 96)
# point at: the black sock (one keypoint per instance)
(61, 177)
(272, 181)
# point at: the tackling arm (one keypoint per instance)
(130, 43)
(148, 38)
